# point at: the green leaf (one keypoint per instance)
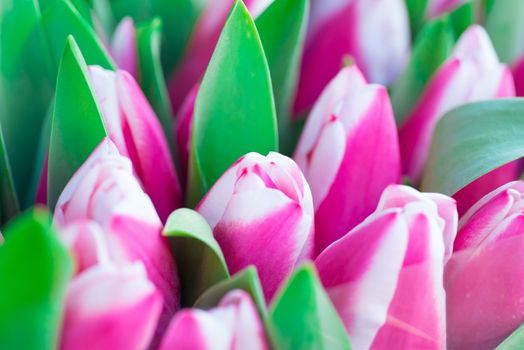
(247, 280)
(282, 28)
(34, 271)
(514, 341)
(234, 106)
(506, 28)
(432, 47)
(462, 17)
(417, 15)
(178, 18)
(60, 20)
(152, 81)
(473, 140)
(302, 316)
(77, 127)
(8, 201)
(25, 86)
(81, 6)
(200, 261)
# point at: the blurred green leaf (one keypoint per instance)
(247, 280)
(473, 140)
(462, 17)
(34, 271)
(200, 261)
(152, 81)
(303, 317)
(234, 106)
(433, 45)
(59, 21)
(25, 86)
(514, 342)
(82, 6)
(505, 26)
(8, 202)
(77, 127)
(417, 15)
(282, 28)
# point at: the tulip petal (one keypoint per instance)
(124, 46)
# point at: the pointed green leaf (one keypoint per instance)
(514, 342)
(234, 106)
(472, 140)
(25, 86)
(60, 20)
(8, 201)
(417, 14)
(247, 280)
(152, 81)
(432, 47)
(303, 317)
(282, 28)
(77, 126)
(200, 261)
(34, 271)
(81, 6)
(506, 28)
(462, 17)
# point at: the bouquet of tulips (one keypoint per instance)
(261, 174)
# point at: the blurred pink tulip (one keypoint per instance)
(261, 213)
(349, 153)
(202, 44)
(483, 279)
(124, 47)
(438, 7)
(472, 73)
(105, 300)
(385, 276)
(233, 325)
(373, 33)
(182, 131)
(134, 128)
(105, 191)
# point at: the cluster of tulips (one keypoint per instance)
(261, 174)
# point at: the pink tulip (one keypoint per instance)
(373, 33)
(472, 73)
(438, 7)
(183, 129)
(261, 213)
(202, 44)
(105, 191)
(349, 153)
(124, 46)
(233, 325)
(105, 300)
(385, 276)
(134, 128)
(483, 279)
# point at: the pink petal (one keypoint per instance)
(124, 47)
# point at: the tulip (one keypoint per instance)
(134, 128)
(483, 279)
(261, 213)
(472, 73)
(349, 153)
(202, 44)
(105, 191)
(233, 324)
(124, 46)
(438, 7)
(106, 299)
(183, 129)
(385, 276)
(374, 33)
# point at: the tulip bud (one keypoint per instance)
(385, 276)
(233, 325)
(105, 191)
(483, 279)
(183, 130)
(472, 73)
(134, 128)
(202, 44)
(106, 300)
(261, 213)
(438, 7)
(124, 47)
(349, 153)
(373, 33)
